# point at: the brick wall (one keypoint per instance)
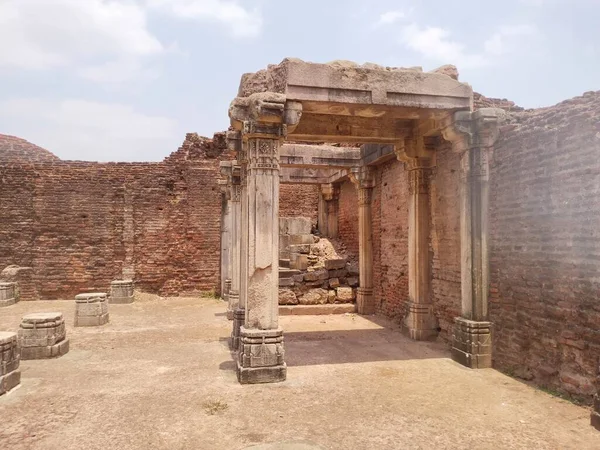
(299, 200)
(80, 225)
(348, 218)
(545, 245)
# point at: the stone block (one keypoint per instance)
(8, 294)
(9, 381)
(472, 343)
(334, 283)
(316, 275)
(331, 296)
(43, 335)
(10, 355)
(335, 264)
(301, 248)
(314, 297)
(260, 357)
(45, 352)
(338, 273)
(317, 310)
(287, 297)
(121, 291)
(595, 416)
(298, 278)
(352, 281)
(301, 239)
(286, 282)
(239, 316)
(345, 295)
(353, 269)
(316, 284)
(287, 273)
(295, 225)
(298, 261)
(91, 309)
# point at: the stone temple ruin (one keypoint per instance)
(342, 188)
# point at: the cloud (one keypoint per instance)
(437, 45)
(390, 17)
(81, 129)
(240, 21)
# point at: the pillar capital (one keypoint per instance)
(467, 129)
(362, 177)
(330, 191)
(265, 113)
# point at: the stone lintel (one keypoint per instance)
(307, 175)
(319, 156)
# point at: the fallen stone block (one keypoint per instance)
(352, 281)
(10, 357)
(298, 261)
(286, 282)
(315, 275)
(334, 283)
(314, 297)
(287, 297)
(338, 273)
(334, 264)
(345, 295)
(301, 248)
(8, 294)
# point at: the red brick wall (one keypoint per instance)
(299, 200)
(348, 218)
(545, 245)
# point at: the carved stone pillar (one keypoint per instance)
(225, 234)
(363, 178)
(420, 322)
(262, 120)
(474, 135)
(330, 194)
(235, 233)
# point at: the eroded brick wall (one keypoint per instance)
(348, 218)
(299, 200)
(545, 246)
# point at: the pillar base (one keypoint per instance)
(472, 343)
(595, 417)
(239, 316)
(420, 324)
(45, 352)
(365, 301)
(226, 289)
(260, 357)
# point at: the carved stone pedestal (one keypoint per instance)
(121, 291)
(472, 343)
(420, 323)
(365, 301)
(10, 375)
(238, 321)
(8, 294)
(43, 335)
(595, 417)
(91, 309)
(260, 357)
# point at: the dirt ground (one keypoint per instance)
(160, 376)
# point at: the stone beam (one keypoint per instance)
(290, 175)
(319, 156)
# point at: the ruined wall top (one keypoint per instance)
(14, 149)
(348, 82)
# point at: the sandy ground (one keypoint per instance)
(160, 376)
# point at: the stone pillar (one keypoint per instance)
(91, 309)
(363, 178)
(43, 335)
(10, 357)
(331, 194)
(322, 222)
(121, 291)
(235, 235)
(9, 294)
(225, 231)
(420, 322)
(474, 135)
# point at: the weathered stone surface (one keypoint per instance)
(339, 273)
(9, 381)
(317, 310)
(261, 356)
(345, 295)
(448, 70)
(301, 248)
(91, 309)
(23, 277)
(286, 282)
(43, 335)
(352, 281)
(121, 291)
(320, 274)
(300, 239)
(298, 261)
(294, 225)
(472, 343)
(334, 283)
(8, 294)
(45, 352)
(287, 297)
(314, 297)
(331, 296)
(335, 264)
(353, 269)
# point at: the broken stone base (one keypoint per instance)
(365, 301)
(48, 351)
(472, 343)
(8, 294)
(420, 324)
(239, 316)
(260, 357)
(121, 292)
(91, 309)
(43, 335)
(10, 375)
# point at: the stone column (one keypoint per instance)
(225, 229)
(235, 233)
(364, 181)
(262, 119)
(322, 221)
(330, 194)
(474, 135)
(420, 322)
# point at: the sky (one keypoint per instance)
(124, 80)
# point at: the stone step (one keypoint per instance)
(284, 263)
(287, 273)
(316, 310)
